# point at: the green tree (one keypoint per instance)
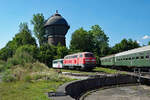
(81, 40)
(125, 45)
(5, 53)
(23, 37)
(100, 40)
(149, 43)
(61, 51)
(46, 54)
(30, 49)
(38, 22)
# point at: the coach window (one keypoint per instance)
(142, 57)
(147, 56)
(137, 57)
(133, 58)
(109, 60)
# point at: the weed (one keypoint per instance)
(8, 77)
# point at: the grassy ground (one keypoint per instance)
(105, 70)
(30, 82)
(27, 91)
(75, 71)
(97, 69)
(108, 70)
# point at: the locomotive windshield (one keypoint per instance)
(89, 55)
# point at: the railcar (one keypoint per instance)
(108, 60)
(58, 63)
(139, 57)
(135, 58)
(83, 60)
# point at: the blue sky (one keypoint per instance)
(118, 18)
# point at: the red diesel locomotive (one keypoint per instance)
(83, 60)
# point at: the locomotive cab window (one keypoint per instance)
(89, 55)
(81, 56)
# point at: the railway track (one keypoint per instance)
(101, 74)
(86, 76)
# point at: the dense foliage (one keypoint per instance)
(94, 40)
(38, 21)
(125, 45)
(23, 37)
(81, 40)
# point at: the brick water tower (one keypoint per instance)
(56, 27)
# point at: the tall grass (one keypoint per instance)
(20, 58)
(2, 63)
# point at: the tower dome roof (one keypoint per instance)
(56, 19)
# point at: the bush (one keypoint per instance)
(30, 49)
(8, 77)
(23, 57)
(35, 67)
(20, 58)
(2, 68)
(46, 54)
(2, 63)
(27, 78)
(37, 76)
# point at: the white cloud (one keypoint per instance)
(145, 37)
(138, 41)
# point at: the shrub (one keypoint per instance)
(20, 58)
(37, 66)
(23, 57)
(37, 76)
(22, 72)
(27, 78)
(2, 63)
(46, 54)
(30, 49)
(8, 76)
(2, 68)
(19, 72)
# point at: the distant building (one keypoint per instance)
(57, 27)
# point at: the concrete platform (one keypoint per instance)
(137, 92)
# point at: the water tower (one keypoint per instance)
(56, 27)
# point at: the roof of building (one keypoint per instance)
(56, 19)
